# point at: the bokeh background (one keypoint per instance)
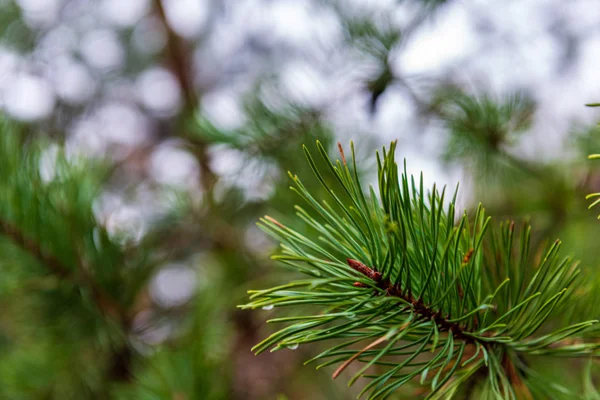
(197, 109)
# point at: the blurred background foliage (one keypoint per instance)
(141, 140)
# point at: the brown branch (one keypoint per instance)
(52, 263)
(521, 390)
(419, 307)
(103, 300)
(456, 330)
(120, 365)
(425, 312)
(178, 57)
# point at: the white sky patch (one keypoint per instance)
(57, 42)
(124, 12)
(174, 285)
(121, 123)
(296, 23)
(159, 91)
(253, 177)
(354, 121)
(304, 85)
(433, 172)
(38, 5)
(506, 14)
(187, 17)
(290, 20)
(39, 13)
(102, 49)
(28, 97)
(149, 36)
(173, 166)
(521, 53)
(224, 42)
(369, 6)
(85, 139)
(394, 114)
(535, 60)
(588, 71)
(72, 80)
(438, 43)
(225, 160)
(223, 108)
(585, 12)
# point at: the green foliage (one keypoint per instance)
(482, 127)
(51, 244)
(14, 31)
(419, 294)
(68, 287)
(594, 157)
(192, 368)
(595, 196)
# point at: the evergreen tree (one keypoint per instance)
(399, 289)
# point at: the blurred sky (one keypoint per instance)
(96, 58)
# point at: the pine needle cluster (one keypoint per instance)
(410, 292)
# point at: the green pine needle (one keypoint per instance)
(415, 293)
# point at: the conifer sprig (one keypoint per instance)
(416, 293)
(595, 196)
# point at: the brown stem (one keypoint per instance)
(108, 306)
(222, 234)
(427, 313)
(178, 57)
(420, 308)
(31, 247)
(521, 390)
(103, 300)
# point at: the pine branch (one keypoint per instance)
(179, 58)
(65, 203)
(31, 247)
(444, 299)
(106, 304)
(595, 196)
(51, 220)
(421, 309)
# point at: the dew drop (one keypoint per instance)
(269, 307)
(293, 346)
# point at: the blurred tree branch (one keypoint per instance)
(178, 57)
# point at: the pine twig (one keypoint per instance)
(103, 300)
(179, 59)
(31, 247)
(417, 248)
(420, 308)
